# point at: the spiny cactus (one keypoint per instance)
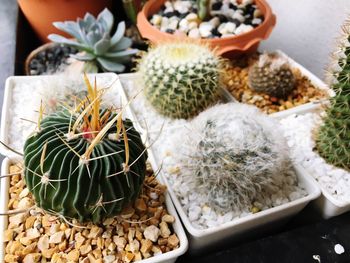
(272, 75)
(230, 153)
(86, 164)
(181, 79)
(333, 137)
(100, 49)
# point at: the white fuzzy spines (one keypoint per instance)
(230, 153)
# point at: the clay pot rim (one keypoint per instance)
(34, 53)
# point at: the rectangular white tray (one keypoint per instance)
(168, 257)
(201, 239)
(22, 82)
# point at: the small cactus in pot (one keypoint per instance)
(87, 163)
(272, 75)
(230, 153)
(101, 50)
(181, 79)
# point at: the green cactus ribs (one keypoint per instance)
(180, 79)
(100, 48)
(86, 164)
(333, 137)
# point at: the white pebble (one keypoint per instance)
(152, 233)
(237, 15)
(191, 17)
(230, 27)
(205, 29)
(339, 249)
(156, 20)
(215, 21)
(243, 29)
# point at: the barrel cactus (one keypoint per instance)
(333, 137)
(100, 48)
(230, 153)
(180, 79)
(272, 75)
(86, 165)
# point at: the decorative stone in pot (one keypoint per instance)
(235, 37)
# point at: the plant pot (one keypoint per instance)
(42, 54)
(22, 98)
(305, 79)
(245, 226)
(167, 257)
(329, 203)
(228, 47)
(41, 14)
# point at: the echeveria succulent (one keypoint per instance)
(94, 38)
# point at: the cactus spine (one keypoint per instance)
(181, 79)
(230, 153)
(88, 164)
(333, 137)
(272, 75)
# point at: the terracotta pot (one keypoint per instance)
(228, 47)
(41, 13)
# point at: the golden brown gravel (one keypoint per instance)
(36, 236)
(236, 82)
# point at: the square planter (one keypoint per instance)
(23, 86)
(168, 257)
(203, 238)
(327, 204)
(314, 80)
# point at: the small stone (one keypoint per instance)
(230, 27)
(164, 229)
(152, 233)
(119, 241)
(205, 29)
(192, 17)
(31, 258)
(146, 246)
(43, 243)
(339, 249)
(32, 233)
(237, 15)
(29, 222)
(168, 219)
(257, 13)
(194, 33)
(8, 235)
(156, 20)
(215, 22)
(73, 255)
(184, 25)
(109, 259)
(256, 21)
(11, 258)
(85, 249)
(24, 203)
(128, 212)
(48, 253)
(134, 246)
(243, 29)
(17, 219)
(173, 241)
(95, 231)
(56, 238)
(140, 205)
(128, 257)
(24, 193)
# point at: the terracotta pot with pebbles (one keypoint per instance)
(232, 27)
(274, 83)
(320, 140)
(85, 192)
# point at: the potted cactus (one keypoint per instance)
(99, 48)
(320, 140)
(232, 28)
(274, 83)
(230, 172)
(87, 191)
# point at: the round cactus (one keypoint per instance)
(181, 79)
(230, 153)
(272, 75)
(87, 165)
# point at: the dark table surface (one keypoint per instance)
(300, 240)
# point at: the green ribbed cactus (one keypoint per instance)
(181, 79)
(333, 138)
(87, 165)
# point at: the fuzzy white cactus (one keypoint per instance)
(230, 153)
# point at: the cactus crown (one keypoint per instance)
(333, 137)
(93, 36)
(231, 153)
(85, 163)
(272, 75)
(181, 79)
